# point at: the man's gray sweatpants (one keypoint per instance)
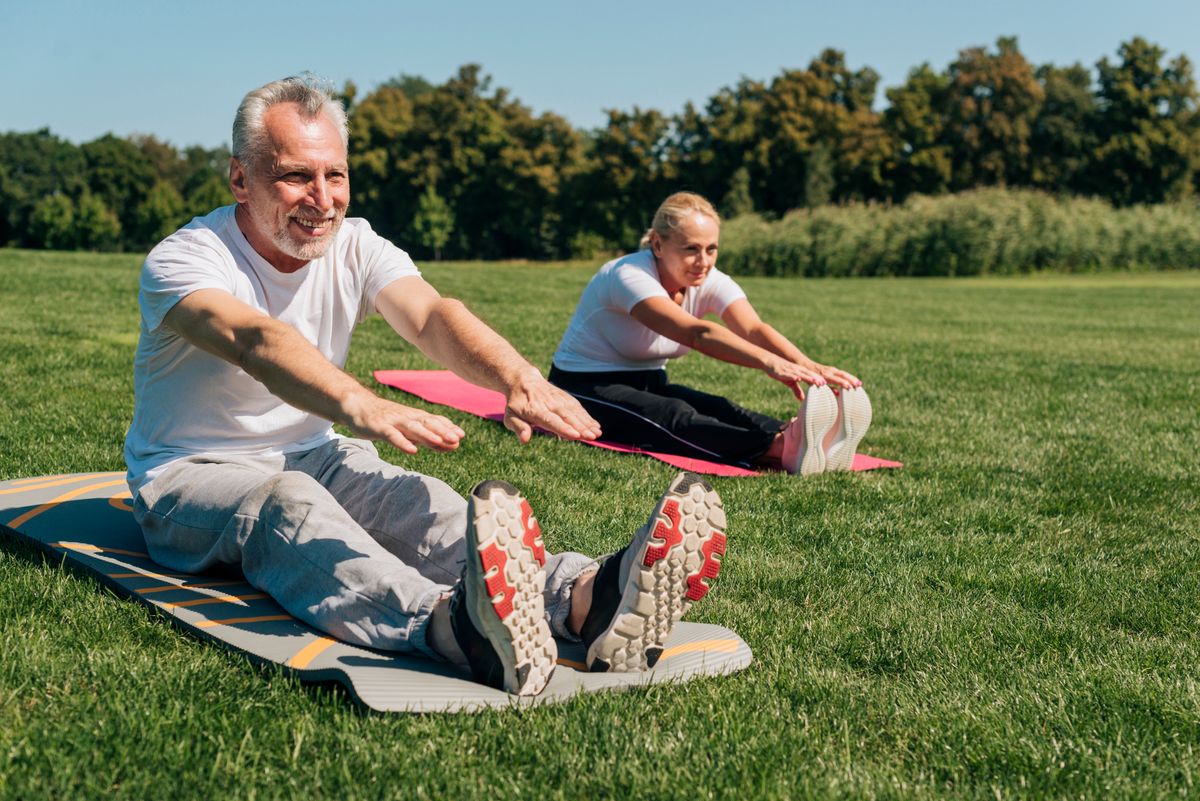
(350, 544)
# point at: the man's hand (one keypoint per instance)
(534, 401)
(448, 333)
(375, 418)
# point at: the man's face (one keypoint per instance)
(291, 205)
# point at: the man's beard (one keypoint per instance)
(311, 249)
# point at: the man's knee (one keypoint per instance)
(445, 513)
(286, 499)
(290, 486)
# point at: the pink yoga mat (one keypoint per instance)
(446, 389)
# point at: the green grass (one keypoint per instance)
(1013, 615)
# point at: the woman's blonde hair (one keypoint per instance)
(671, 213)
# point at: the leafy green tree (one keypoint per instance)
(434, 222)
(348, 95)
(212, 194)
(52, 223)
(96, 226)
(37, 164)
(992, 101)
(160, 214)
(737, 200)
(709, 147)
(818, 176)
(166, 161)
(626, 177)
(915, 119)
(120, 175)
(826, 104)
(540, 157)
(8, 193)
(1145, 126)
(500, 168)
(1062, 140)
(202, 166)
(378, 130)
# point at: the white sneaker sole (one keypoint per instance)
(673, 559)
(506, 556)
(856, 419)
(820, 413)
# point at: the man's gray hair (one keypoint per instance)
(314, 95)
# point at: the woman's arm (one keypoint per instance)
(662, 316)
(744, 321)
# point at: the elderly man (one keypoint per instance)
(246, 319)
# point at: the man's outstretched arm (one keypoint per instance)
(296, 372)
(446, 331)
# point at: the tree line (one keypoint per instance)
(462, 170)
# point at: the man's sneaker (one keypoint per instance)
(803, 453)
(641, 591)
(497, 610)
(854, 418)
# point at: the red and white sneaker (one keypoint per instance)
(803, 439)
(496, 609)
(641, 591)
(853, 420)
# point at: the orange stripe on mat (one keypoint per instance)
(167, 587)
(216, 599)
(66, 496)
(208, 624)
(303, 657)
(720, 646)
(42, 482)
(119, 501)
(87, 547)
(149, 574)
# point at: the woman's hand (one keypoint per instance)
(793, 375)
(839, 378)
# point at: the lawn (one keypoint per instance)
(1012, 615)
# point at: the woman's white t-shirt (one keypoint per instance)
(188, 401)
(603, 337)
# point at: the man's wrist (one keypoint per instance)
(352, 404)
(522, 376)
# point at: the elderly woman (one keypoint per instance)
(641, 310)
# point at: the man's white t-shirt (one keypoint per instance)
(603, 337)
(188, 401)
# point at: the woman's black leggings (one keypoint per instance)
(639, 407)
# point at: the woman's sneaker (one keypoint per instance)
(496, 609)
(803, 453)
(641, 591)
(854, 418)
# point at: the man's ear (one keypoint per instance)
(655, 244)
(237, 181)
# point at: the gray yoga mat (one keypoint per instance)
(85, 518)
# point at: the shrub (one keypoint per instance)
(982, 232)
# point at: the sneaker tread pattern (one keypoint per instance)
(680, 556)
(512, 556)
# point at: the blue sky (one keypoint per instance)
(177, 70)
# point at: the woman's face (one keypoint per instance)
(688, 254)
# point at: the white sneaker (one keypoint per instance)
(497, 611)
(803, 453)
(641, 591)
(854, 418)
